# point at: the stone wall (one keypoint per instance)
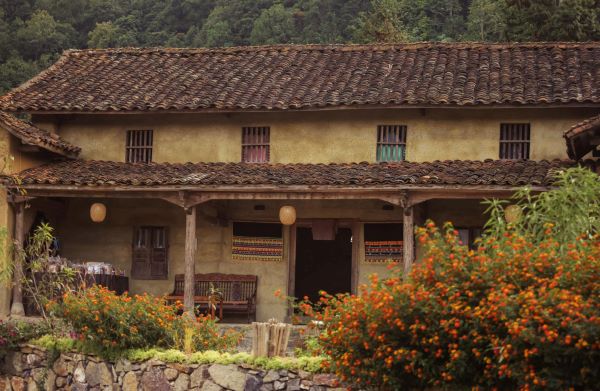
(31, 369)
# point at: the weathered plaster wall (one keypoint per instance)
(110, 241)
(319, 137)
(16, 161)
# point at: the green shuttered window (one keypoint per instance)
(391, 143)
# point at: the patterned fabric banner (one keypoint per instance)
(257, 249)
(383, 251)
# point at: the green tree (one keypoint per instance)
(383, 23)
(274, 25)
(105, 35)
(552, 20)
(42, 34)
(327, 21)
(216, 30)
(485, 20)
(15, 71)
(415, 20)
(5, 41)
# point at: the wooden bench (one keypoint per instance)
(238, 292)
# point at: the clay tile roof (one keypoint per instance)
(313, 76)
(579, 137)
(400, 174)
(32, 135)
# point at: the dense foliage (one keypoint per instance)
(522, 311)
(13, 333)
(101, 317)
(109, 323)
(34, 32)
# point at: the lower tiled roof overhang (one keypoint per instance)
(583, 137)
(89, 174)
(30, 134)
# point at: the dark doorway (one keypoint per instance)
(323, 264)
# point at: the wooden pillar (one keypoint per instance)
(409, 238)
(291, 261)
(19, 236)
(356, 240)
(190, 260)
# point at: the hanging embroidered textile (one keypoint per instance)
(257, 249)
(383, 251)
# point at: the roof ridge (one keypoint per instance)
(341, 47)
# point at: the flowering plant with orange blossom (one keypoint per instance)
(111, 322)
(527, 318)
(521, 311)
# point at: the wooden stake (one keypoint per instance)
(17, 294)
(190, 260)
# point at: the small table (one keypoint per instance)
(113, 282)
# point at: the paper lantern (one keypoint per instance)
(512, 213)
(287, 215)
(98, 212)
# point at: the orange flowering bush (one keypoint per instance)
(510, 315)
(117, 322)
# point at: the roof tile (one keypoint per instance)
(449, 172)
(32, 135)
(313, 76)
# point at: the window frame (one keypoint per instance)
(515, 141)
(148, 257)
(256, 147)
(139, 145)
(397, 143)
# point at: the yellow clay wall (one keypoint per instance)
(319, 136)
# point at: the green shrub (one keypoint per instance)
(13, 333)
(202, 333)
(112, 322)
(108, 323)
(522, 311)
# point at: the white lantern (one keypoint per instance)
(98, 212)
(512, 213)
(287, 215)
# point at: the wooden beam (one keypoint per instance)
(408, 238)
(190, 260)
(17, 307)
(416, 198)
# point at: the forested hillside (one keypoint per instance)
(34, 32)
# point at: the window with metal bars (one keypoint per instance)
(514, 141)
(138, 146)
(255, 144)
(150, 253)
(391, 143)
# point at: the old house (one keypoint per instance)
(194, 152)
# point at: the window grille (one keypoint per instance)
(514, 141)
(139, 146)
(391, 143)
(255, 144)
